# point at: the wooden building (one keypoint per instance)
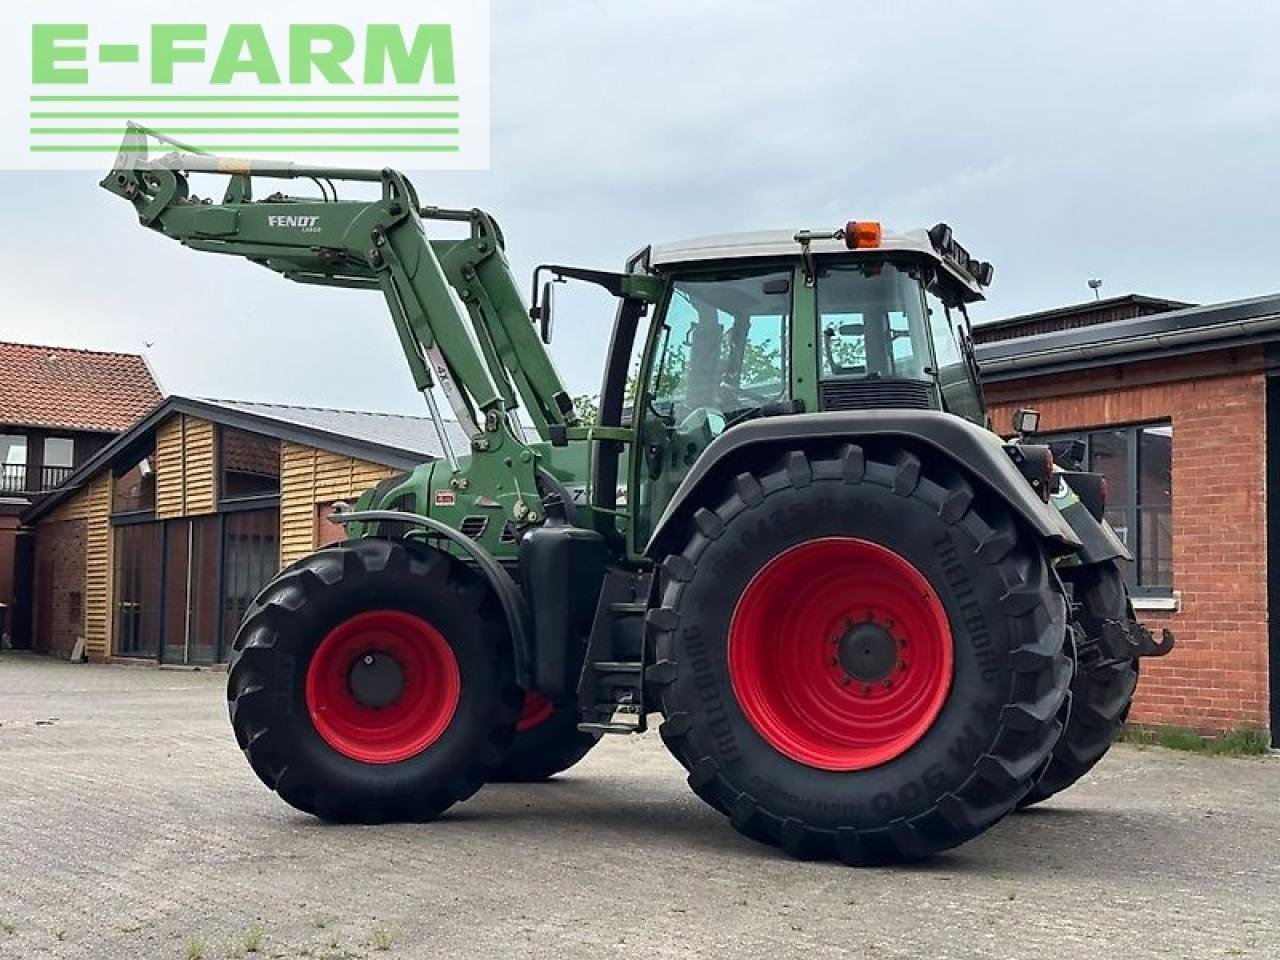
(58, 407)
(154, 548)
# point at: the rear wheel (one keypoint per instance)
(547, 742)
(373, 681)
(859, 656)
(1102, 690)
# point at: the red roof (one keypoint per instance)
(73, 389)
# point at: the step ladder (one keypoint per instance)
(611, 688)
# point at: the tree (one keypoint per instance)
(587, 408)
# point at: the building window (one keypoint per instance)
(13, 462)
(251, 557)
(1137, 462)
(250, 465)
(138, 564)
(190, 622)
(59, 458)
(134, 489)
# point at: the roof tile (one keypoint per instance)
(73, 389)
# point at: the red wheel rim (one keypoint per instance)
(537, 709)
(840, 654)
(419, 708)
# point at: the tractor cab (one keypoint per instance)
(784, 322)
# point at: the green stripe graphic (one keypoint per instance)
(259, 148)
(240, 98)
(284, 131)
(238, 115)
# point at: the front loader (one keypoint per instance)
(858, 611)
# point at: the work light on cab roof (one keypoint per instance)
(868, 234)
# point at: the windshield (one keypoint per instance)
(871, 321)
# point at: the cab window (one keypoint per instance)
(870, 322)
(719, 356)
(956, 377)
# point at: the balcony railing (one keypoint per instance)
(53, 477)
(13, 478)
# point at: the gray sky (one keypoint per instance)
(1134, 141)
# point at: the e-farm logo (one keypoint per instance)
(407, 87)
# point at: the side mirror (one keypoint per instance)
(1026, 421)
(542, 311)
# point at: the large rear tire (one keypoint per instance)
(859, 656)
(374, 681)
(547, 742)
(1102, 690)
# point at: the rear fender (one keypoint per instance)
(976, 452)
(1098, 541)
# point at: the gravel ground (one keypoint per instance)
(131, 827)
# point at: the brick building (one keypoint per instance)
(1176, 405)
(58, 407)
(154, 547)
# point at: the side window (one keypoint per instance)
(945, 348)
(960, 392)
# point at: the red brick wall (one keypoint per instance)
(327, 531)
(8, 532)
(1216, 678)
(60, 586)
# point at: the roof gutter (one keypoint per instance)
(1078, 356)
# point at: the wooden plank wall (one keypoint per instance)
(200, 477)
(310, 477)
(98, 570)
(93, 505)
(169, 467)
(186, 474)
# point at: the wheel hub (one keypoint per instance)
(867, 652)
(382, 686)
(376, 680)
(840, 653)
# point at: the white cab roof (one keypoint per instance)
(782, 243)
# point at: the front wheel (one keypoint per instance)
(859, 656)
(373, 681)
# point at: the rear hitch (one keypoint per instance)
(1128, 639)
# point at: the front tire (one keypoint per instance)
(834, 743)
(372, 682)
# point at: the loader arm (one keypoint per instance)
(455, 305)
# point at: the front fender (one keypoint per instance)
(514, 609)
(977, 452)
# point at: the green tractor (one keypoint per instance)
(871, 627)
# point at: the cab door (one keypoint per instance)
(719, 353)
